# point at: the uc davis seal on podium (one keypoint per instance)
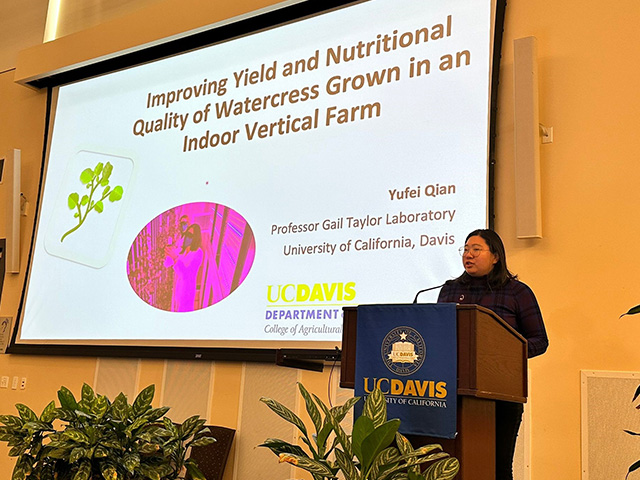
(403, 350)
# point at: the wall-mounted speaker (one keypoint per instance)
(10, 203)
(527, 138)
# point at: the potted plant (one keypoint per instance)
(636, 465)
(94, 438)
(374, 451)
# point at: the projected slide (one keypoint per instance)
(251, 189)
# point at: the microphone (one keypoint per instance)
(415, 300)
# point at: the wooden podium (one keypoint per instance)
(492, 365)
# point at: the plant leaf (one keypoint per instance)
(39, 426)
(191, 426)
(61, 444)
(312, 409)
(171, 428)
(386, 460)
(285, 413)
(120, 407)
(344, 409)
(76, 454)
(18, 450)
(389, 474)
(49, 412)
(108, 168)
(150, 472)
(278, 446)
(108, 470)
(64, 414)
(424, 450)
(149, 448)
(67, 400)
(156, 413)
(100, 406)
(142, 403)
(346, 465)
(324, 408)
(362, 427)
(308, 464)
(72, 200)
(135, 425)
(152, 433)
(76, 436)
(340, 411)
(11, 421)
(194, 471)
(632, 311)
(18, 473)
(84, 471)
(444, 469)
(47, 472)
(633, 468)
(164, 470)
(131, 461)
(86, 176)
(375, 407)
(116, 194)
(203, 442)
(377, 441)
(88, 395)
(99, 206)
(11, 439)
(343, 438)
(635, 395)
(26, 463)
(404, 445)
(26, 413)
(323, 435)
(102, 452)
(57, 453)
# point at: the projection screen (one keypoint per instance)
(240, 194)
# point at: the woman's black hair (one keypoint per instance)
(499, 274)
(194, 233)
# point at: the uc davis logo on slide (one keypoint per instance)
(403, 350)
(318, 292)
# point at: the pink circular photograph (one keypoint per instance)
(191, 257)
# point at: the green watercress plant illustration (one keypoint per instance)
(92, 179)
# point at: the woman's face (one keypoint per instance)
(478, 259)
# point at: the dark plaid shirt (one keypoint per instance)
(515, 303)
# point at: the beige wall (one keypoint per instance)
(583, 270)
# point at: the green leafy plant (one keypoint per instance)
(636, 465)
(374, 451)
(92, 179)
(95, 439)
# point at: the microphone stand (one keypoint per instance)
(415, 300)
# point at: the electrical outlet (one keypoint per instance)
(14, 383)
(4, 382)
(23, 383)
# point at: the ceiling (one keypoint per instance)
(22, 22)
(21, 26)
